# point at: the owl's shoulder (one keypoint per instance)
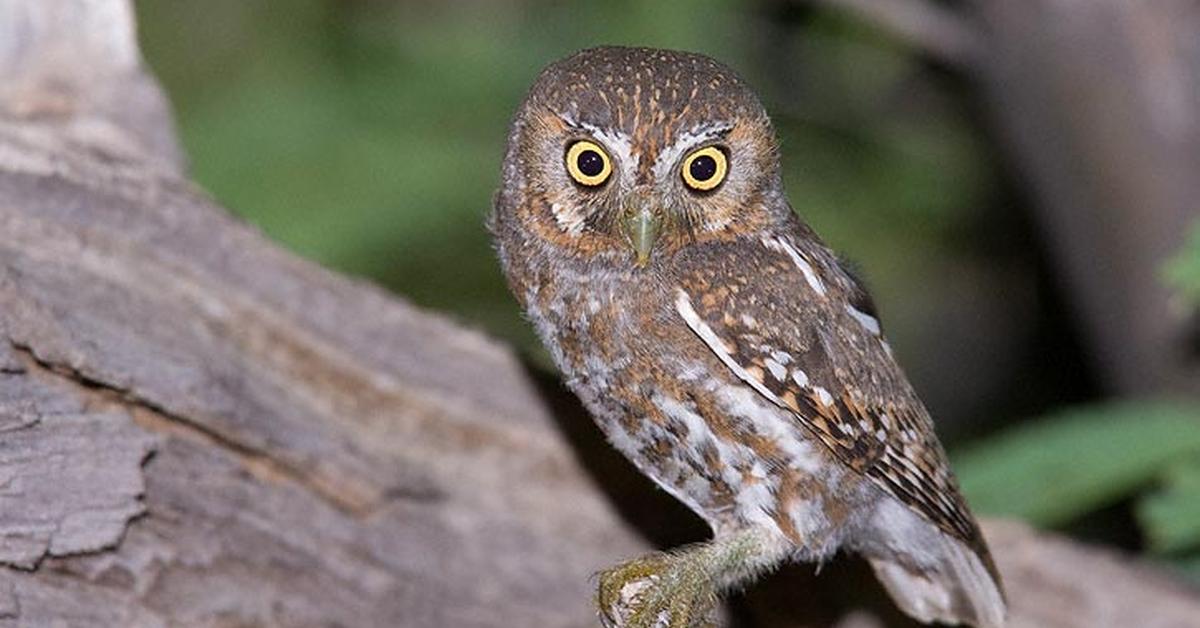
(788, 320)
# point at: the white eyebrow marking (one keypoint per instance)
(619, 145)
(779, 244)
(866, 320)
(668, 158)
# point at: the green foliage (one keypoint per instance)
(1053, 470)
(1060, 468)
(1171, 515)
(1183, 271)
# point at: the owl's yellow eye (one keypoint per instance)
(588, 164)
(705, 169)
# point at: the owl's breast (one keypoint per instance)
(593, 326)
(673, 409)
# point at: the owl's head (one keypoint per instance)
(630, 154)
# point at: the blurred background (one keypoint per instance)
(1018, 186)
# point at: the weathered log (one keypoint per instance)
(198, 428)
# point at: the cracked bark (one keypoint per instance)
(199, 429)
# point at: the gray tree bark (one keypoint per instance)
(198, 428)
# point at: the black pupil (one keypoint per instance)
(590, 163)
(703, 168)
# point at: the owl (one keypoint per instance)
(720, 345)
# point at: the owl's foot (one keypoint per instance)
(657, 591)
(680, 589)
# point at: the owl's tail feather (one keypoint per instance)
(956, 589)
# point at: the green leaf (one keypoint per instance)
(1170, 517)
(1183, 271)
(1053, 470)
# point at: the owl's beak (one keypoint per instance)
(641, 227)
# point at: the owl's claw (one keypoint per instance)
(656, 591)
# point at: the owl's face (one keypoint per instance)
(626, 155)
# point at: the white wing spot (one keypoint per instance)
(823, 396)
(870, 323)
(776, 369)
(800, 377)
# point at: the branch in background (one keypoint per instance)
(942, 33)
(1070, 125)
(1098, 106)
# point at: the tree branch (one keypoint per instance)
(942, 33)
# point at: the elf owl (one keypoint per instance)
(720, 345)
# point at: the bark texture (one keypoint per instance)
(200, 429)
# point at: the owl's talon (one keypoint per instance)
(656, 591)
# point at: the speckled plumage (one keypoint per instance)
(739, 366)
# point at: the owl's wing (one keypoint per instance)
(800, 331)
